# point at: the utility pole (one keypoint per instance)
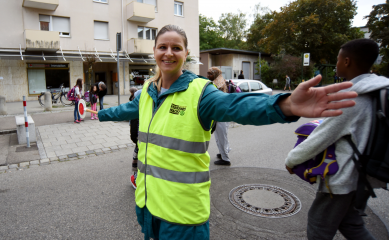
(302, 66)
(118, 48)
(260, 65)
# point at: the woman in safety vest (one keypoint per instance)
(176, 109)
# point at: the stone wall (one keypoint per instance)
(13, 80)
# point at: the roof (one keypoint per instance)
(215, 51)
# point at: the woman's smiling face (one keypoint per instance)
(170, 52)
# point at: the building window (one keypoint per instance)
(151, 2)
(58, 24)
(101, 1)
(101, 30)
(147, 33)
(179, 8)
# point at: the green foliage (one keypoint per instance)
(284, 65)
(262, 17)
(256, 34)
(319, 27)
(233, 29)
(266, 72)
(378, 24)
(210, 36)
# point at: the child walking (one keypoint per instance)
(77, 93)
(134, 129)
(339, 210)
(93, 101)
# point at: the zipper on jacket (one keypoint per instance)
(147, 143)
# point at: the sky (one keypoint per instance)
(214, 8)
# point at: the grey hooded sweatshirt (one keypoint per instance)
(355, 121)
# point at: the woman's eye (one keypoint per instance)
(162, 47)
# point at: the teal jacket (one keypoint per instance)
(243, 108)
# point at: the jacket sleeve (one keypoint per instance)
(123, 112)
(328, 132)
(243, 108)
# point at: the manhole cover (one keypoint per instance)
(265, 201)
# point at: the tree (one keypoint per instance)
(378, 24)
(284, 65)
(210, 36)
(319, 27)
(233, 29)
(262, 17)
(255, 33)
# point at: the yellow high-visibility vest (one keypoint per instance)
(173, 167)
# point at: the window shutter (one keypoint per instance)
(101, 30)
(61, 24)
(152, 2)
(44, 18)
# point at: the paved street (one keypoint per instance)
(89, 196)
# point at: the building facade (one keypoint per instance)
(45, 43)
(231, 62)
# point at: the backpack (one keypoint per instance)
(375, 159)
(322, 164)
(232, 88)
(87, 97)
(71, 94)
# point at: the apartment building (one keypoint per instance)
(51, 42)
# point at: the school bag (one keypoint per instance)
(322, 164)
(374, 161)
(87, 97)
(232, 88)
(71, 94)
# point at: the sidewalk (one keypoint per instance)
(16, 108)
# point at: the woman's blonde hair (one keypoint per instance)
(156, 79)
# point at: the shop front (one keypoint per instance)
(44, 75)
(141, 73)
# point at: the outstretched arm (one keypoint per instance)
(307, 101)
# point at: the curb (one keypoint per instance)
(4, 132)
(65, 158)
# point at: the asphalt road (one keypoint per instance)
(92, 198)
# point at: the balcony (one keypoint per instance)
(41, 4)
(41, 40)
(140, 46)
(140, 12)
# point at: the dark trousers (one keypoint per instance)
(76, 115)
(327, 215)
(101, 103)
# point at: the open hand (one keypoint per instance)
(307, 101)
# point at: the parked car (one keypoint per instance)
(256, 86)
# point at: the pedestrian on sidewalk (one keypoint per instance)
(176, 111)
(335, 207)
(134, 131)
(287, 83)
(93, 101)
(241, 76)
(221, 133)
(78, 93)
(101, 93)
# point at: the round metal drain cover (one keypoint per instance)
(265, 201)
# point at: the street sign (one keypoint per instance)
(306, 59)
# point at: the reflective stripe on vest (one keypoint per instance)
(174, 143)
(173, 177)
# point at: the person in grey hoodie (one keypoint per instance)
(336, 211)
